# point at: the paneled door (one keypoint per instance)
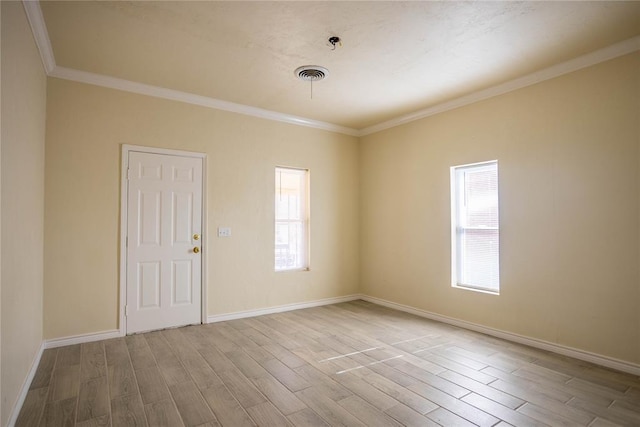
(163, 243)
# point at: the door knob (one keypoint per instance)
(196, 237)
(196, 250)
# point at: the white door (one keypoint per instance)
(164, 223)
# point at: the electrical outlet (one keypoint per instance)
(224, 231)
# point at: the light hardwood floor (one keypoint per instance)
(348, 364)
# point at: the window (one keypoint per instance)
(474, 227)
(292, 219)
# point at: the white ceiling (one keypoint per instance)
(396, 57)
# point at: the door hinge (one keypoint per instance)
(128, 173)
(126, 310)
(126, 242)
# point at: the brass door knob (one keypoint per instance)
(196, 250)
(196, 237)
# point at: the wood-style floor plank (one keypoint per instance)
(128, 411)
(104, 421)
(540, 373)
(408, 417)
(45, 369)
(599, 422)
(200, 371)
(501, 412)
(249, 367)
(266, 414)
(363, 389)
(226, 408)
(285, 375)
(440, 382)
(583, 371)
(94, 364)
(321, 380)
(61, 413)
(628, 407)
(163, 413)
(307, 418)
(280, 396)
(517, 386)
(401, 394)
(140, 353)
(93, 399)
(122, 381)
(121, 378)
(170, 367)
(242, 388)
(216, 359)
(191, 405)
(454, 366)
(367, 413)
(64, 383)
(445, 418)
(547, 417)
(32, 407)
(327, 408)
(68, 356)
(458, 407)
(603, 412)
(537, 398)
(151, 385)
(487, 391)
(348, 364)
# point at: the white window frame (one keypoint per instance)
(304, 214)
(457, 193)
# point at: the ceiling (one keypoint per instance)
(396, 57)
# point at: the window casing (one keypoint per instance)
(475, 228)
(291, 219)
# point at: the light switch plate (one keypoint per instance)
(224, 231)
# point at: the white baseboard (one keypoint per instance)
(15, 411)
(587, 356)
(280, 308)
(53, 343)
(81, 339)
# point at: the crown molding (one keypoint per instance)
(190, 98)
(39, 29)
(619, 49)
(40, 34)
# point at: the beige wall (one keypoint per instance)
(85, 129)
(23, 135)
(569, 192)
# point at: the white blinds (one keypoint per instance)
(291, 227)
(477, 232)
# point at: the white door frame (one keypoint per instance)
(124, 201)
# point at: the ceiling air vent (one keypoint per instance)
(312, 73)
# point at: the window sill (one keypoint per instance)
(292, 270)
(470, 288)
